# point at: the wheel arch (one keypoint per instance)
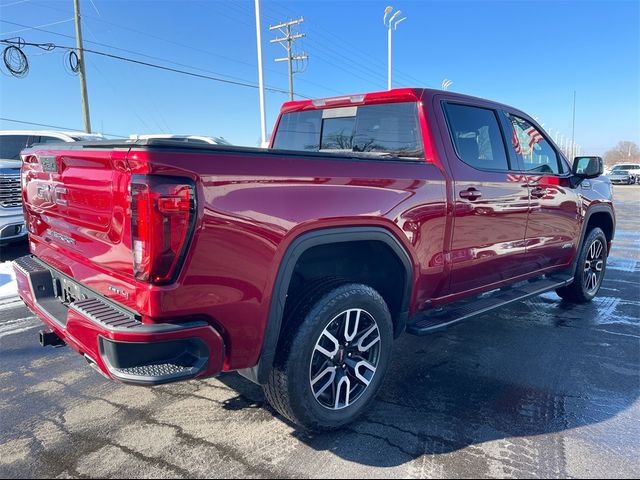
(294, 252)
(601, 215)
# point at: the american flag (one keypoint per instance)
(515, 141)
(534, 135)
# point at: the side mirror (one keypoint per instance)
(588, 167)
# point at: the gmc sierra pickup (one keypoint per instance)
(298, 265)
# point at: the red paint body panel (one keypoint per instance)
(251, 204)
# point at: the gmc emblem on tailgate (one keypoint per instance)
(51, 194)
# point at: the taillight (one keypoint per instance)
(163, 213)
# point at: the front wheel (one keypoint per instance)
(592, 263)
(335, 350)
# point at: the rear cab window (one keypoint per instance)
(389, 130)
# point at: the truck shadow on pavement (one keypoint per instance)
(12, 251)
(537, 368)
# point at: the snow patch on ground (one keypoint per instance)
(8, 286)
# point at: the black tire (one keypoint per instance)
(580, 291)
(289, 388)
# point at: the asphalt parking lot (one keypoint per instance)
(539, 389)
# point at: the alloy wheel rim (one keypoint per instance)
(345, 359)
(593, 266)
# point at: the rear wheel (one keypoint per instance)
(335, 350)
(590, 269)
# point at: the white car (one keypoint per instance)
(632, 168)
(12, 226)
(183, 138)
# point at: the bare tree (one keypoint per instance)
(623, 152)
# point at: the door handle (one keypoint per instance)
(470, 194)
(538, 192)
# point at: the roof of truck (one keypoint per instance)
(386, 96)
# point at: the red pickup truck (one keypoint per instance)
(298, 265)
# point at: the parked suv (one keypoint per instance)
(12, 227)
(371, 215)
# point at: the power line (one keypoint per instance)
(54, 126)
(151, 35)
(33, 28)
(147, 64)
(357, 57)
(236, 7)
(166, 60)
(113, 47)
(173, 42)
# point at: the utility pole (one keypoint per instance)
(263, 121)
(82, 74)
(287, 42)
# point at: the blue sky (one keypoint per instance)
(530, 54)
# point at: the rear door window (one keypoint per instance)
(477, 137)
(11, 145)
(387, 130)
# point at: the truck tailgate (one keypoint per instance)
(76, 202)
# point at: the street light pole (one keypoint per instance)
(573, 126)
(390, 23)
(263, 121)
(389, 61)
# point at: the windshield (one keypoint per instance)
(386, 130)
(11, 145)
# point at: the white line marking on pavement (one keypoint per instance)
(18, 330)
(13, 304)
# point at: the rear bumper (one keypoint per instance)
(112, 338)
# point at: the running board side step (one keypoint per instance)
(435, 320)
